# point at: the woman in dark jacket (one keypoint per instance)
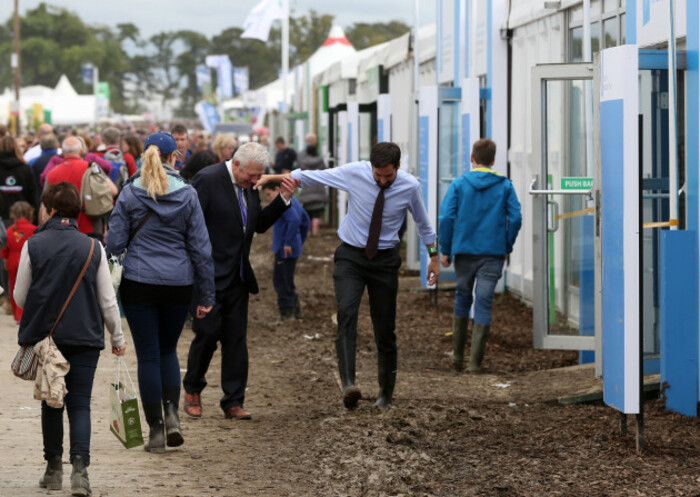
(159, 219)
(16, 178)
(312, 198)
(50, 263)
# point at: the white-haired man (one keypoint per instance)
(33, 152)
(233, 214)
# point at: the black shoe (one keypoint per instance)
(53, 476)
(351, 396)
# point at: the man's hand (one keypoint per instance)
(288, 187)
(203, 310)
(445, 260)
(118, 350)
(433, 271)
(287, 251)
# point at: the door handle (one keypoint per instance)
(554, 217)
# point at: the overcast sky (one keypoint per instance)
(212, 16)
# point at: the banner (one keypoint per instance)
(87, 72)
(259, 21)
(240, 79)
(208, 115)
(102, 98)
(224, 75)
(203, 79)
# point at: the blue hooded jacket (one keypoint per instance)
(173, 247)
(291, 230)
(480, 215)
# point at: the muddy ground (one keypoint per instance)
(447, 434)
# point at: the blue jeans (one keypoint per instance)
(485, 270)
(83, 363)
(155, 329)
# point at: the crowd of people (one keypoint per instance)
(181, 219)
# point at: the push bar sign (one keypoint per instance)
(576, 183)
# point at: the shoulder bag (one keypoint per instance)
(115, 261)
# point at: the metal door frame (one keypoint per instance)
(541, 75)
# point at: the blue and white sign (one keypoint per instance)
(240, 79)
(428, 105)
(470, 119)
(203, 74)
(87, 71)
(619, 108)
(652, 20)
(208, 115)
(384, 118)
(224, 75)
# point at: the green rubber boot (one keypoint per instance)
(459, 340)
(480, 333)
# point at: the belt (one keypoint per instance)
(362, 249)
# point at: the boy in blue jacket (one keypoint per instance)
(479, 222)
(288, 235)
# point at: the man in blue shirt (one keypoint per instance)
(479, 222)
(368, 256)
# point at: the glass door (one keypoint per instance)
(563, 207)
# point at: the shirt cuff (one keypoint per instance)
(286, 202)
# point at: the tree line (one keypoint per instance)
(55, 41)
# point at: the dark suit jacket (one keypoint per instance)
(222, 214)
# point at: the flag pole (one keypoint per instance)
(285, 56)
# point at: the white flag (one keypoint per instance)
(258, 23)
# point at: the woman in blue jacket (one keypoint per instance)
(159, 219)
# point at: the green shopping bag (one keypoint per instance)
(125, 419)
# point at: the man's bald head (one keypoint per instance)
(72, 146)
(45, 129)
(311, 139)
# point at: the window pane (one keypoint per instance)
(576, 45)
(595, 37)
(610, 28)
(623, 28)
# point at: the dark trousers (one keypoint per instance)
(226, 323)
(155, 329)
(83, 363)
(353, 272)
(283, 280)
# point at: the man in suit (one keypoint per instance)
(233, 213)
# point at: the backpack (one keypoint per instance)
(120, 171)
(96, 192)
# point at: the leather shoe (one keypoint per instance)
(193, 405)
(237, 412)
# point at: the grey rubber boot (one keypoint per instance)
(387, 378)
(53, 476)
(79, 482)
(480, 333)
(286, 313)
(173, 431)
(345, 350)
(156, 436)
(297, 308)
(459, 340)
